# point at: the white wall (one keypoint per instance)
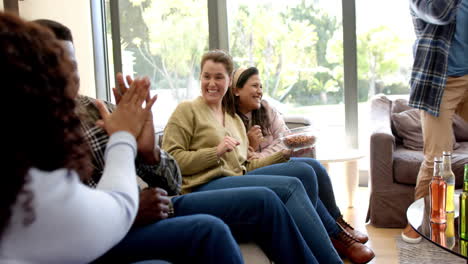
(1, 5)
(76, 15)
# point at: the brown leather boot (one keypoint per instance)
(362, 238)
(348, 246)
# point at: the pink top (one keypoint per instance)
(271, 143)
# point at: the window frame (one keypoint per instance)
(219, 38)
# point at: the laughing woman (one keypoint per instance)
(210, 145)
(265, 125)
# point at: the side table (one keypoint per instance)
(350, 159)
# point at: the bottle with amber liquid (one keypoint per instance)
(438, 192)
(463, 214)
(438, 234)
(449, 178)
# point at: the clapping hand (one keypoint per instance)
(129, 115)
(146, 139)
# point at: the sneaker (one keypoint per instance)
(410, 240)
(362, 238)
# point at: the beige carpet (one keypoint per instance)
(424, 252)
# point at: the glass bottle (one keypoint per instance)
(449, 178)
(463, 214)
(450, 231)
(464, 247)
(437, 192)
(438, 233)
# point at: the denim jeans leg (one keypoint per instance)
(325, 187)
(291, 191)
(301, 171)
(330, 224)
(306, 174)
(186, 239)
(253, 214)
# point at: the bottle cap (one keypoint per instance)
(447, 153)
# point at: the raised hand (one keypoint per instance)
(146, 139)
(129, 115)
(255, 136)
(227, 145)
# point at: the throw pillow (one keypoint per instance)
(400, 105)
(460, 129)
(408, 127)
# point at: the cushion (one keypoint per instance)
(406, 164)
(408, 127)
(400, 105)
(460, 129)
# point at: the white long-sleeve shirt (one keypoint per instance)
(74, 223)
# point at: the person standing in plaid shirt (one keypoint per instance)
(187, 228)
(439, 80)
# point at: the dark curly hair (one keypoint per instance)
(42, 125)
(259, 116)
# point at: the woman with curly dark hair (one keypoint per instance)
(46, 214)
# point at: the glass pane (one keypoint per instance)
(297, 47)
(164, 40)
(385, 37)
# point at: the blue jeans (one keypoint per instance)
(188, 239)
(252, 213)
(291, 191)
(308, 178)
(325, 188)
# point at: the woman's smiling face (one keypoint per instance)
(215, 81)
(250, 95)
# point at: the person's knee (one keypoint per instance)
(314, 163)
(208, 224)
(297, 188)
(306, 174)
(294, 184)
(266, 197)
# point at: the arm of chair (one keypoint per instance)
(293, 121)
(382, 144)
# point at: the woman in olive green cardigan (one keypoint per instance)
(210, 146)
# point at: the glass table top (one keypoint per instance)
(443, 235)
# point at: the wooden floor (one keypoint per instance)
(382, 240)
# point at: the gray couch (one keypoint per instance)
(394, 168)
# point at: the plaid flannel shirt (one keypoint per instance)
(166, 174)
(434, 24)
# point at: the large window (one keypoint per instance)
(385, 36)
(164, 40)
(297, 46)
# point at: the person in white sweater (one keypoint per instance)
(46, 214)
